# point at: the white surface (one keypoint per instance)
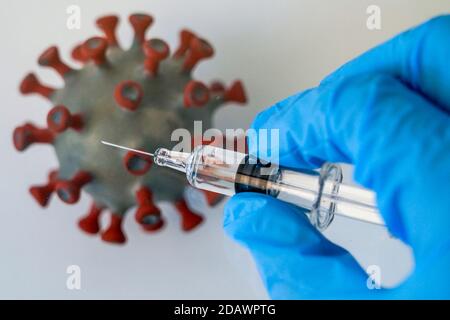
(276, 47)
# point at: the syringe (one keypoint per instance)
(228, 172)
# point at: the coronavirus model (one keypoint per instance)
(135, 97)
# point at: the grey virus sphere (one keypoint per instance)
(134, 97)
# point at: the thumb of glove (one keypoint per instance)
(294, 259)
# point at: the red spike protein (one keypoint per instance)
(135, 97)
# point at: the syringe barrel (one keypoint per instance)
(321, 193)
(214, 169)
(324, 195)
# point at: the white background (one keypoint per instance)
(277, 47)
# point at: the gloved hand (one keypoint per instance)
(386, 112)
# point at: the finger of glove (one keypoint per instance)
(419, 57)
(295, 261)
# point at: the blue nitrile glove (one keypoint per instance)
(387, 112)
